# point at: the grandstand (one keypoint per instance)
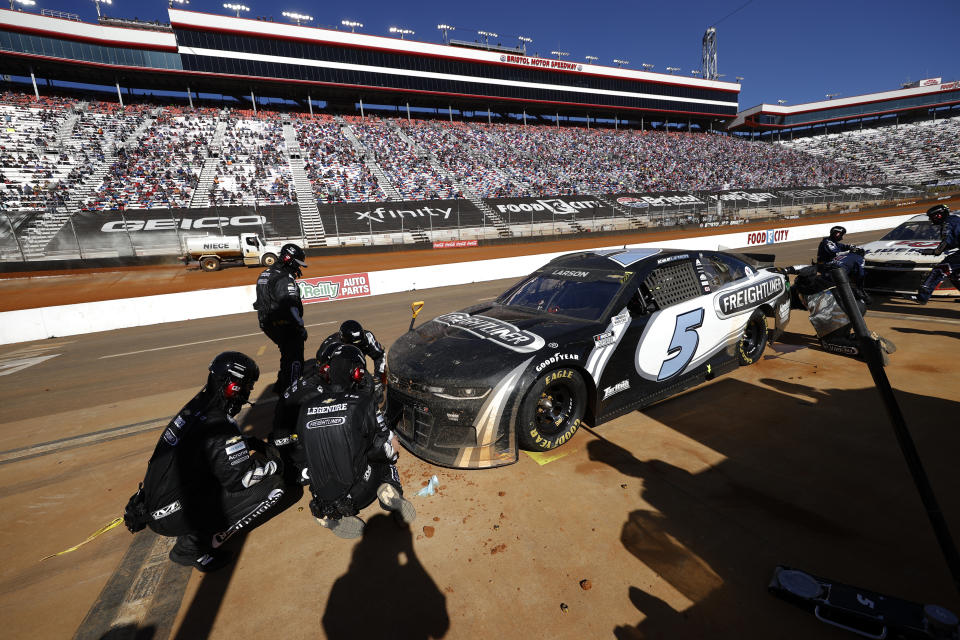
(338, 174)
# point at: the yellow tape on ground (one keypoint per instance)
(113, 523)
(546, 457)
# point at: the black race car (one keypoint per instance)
(588, 337)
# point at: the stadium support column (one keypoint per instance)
(361, 108)
(524, 117)
(119, 95)
(588, 121)
(616, 123)
(489, 121)
(310, 104)
(190, 96)
(253, 101)
(558, 120)
(33, 79)
(450, 112)
(408, 112)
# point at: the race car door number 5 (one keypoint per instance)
(683, 344)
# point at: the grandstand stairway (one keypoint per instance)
(313, 230)
(66, 129)
(634, 219)
(368, 159)
(503, 230)
(200, 198)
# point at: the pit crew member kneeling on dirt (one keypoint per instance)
(350, 457)
(205, 481)
(280, 312)
(949, 267)
(832, 252)
(815, 292)
(352, 333)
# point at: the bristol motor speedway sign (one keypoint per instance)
(329, 288)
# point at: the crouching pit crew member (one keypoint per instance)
(350, 456)
(280, 312)
(949, 267)
(833, 253)
(205, 481)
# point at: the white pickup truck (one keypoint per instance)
(246, 248)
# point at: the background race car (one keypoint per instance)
(894, 264)
(586, 338)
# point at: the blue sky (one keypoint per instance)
(793, 51)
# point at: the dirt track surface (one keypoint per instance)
(49, 288)
(676, 515)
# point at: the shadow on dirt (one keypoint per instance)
(386, 592)
(811, 478)
(946, 334)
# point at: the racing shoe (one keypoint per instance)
(203, 562)
(392, 500)
(347, 527)
(916, 298)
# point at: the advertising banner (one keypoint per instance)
(454, 244)
(391, 217)
(329, 288)
(121, 231)
(522, 210)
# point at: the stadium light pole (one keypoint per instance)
(646, 66)
(695, 72)
(99, 2)
(621, 63)
(781, 102)
(353, 24)
(739, 79)
(560, 54)
(591, 59)
(673, 69)
(232, 6)
(487, 35)
(402, 32)
(446, 28)
(831, 96)
(524, 41)
(299, 17)
(173, 2)
(26, 3)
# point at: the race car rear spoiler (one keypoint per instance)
(757, 260)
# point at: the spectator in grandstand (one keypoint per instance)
(280, 312)
(206, 481)
(950, 266)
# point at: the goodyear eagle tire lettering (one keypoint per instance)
(552, 410)
(754, 339)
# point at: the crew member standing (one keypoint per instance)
(949, 267)
(350, 457)
(206, 481)
(280, 312)
(833, 253)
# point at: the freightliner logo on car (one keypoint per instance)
(494, 330)
(742, 299)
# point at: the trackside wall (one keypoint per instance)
(65, 320)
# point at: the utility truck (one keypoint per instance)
(246, 248)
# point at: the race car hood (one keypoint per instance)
(886, 251)
(475, 346)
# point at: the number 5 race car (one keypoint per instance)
(586, 338)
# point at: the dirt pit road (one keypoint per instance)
(676, 516)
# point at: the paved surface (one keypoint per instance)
(676, 515)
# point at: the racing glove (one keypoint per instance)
(858, 250)
(303, 333)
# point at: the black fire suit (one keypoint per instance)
(206, 482)
(369, 346)
(348, 450)
(949, 267)
(280, 312)
(284, 434)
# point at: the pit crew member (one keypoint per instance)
(949, 267)
(280, 312)
(834, 252)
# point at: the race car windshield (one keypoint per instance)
(579, 298)
(919, 230)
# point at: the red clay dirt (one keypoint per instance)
(49, 288)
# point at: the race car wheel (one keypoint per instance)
(269, 260)
(552, 410)
(209, 264)
(754, 339)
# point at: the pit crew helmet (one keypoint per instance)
(837, 233)
(347, 367)
(292, 257)
(232, 376)
(351, 333)
(938, 213)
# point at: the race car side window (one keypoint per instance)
(673, 283)
(737, 269)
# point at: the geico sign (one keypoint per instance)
(163, 224)
(767, 237)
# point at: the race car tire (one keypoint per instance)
(268, 260)
(209, 264)
(754, 339)
(552, 410)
